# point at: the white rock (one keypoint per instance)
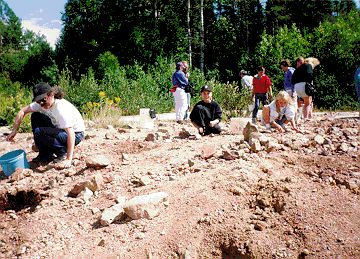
(145, 206)
(111, 214)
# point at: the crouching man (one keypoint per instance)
(56, 124)
(206, 114)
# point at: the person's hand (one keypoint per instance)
(212, 124)
(280, 129)
(63, 164)
(297, 130)
(11, 136)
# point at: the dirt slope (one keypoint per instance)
(297, 197)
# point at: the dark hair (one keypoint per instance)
(260, 68)
(178, 65)
(57, 91)
(285, 63)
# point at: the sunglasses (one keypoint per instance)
(42, 101)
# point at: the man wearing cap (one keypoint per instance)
(206, 114)
(56, 124)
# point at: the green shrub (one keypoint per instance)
(12, 99)
(232, 100)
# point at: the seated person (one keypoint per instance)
(279, 112)
(206, 114)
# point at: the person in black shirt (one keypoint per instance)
(303, 74)
(206, 114)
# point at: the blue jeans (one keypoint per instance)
(259, 98)
(49, 139)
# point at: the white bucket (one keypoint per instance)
(145, 121)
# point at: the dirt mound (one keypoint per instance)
(292, 196)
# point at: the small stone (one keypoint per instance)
(190, 163)
(150, 137)
(208, 151)
(260, 225)
(319, 139)
(102, 242)
(21, 250)
(13, 215)
(305, 252)
(140, 236)
(97, 161)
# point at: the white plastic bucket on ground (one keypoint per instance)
(145, 121)
(13, 160)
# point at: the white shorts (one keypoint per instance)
(300, 89)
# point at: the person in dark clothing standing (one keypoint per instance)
(206, 114)
(303, 74)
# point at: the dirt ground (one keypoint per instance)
(290, 195)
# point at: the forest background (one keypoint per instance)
(116, 56)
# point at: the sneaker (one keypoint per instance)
(43, 159)
(59, 159)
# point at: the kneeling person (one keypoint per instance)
(279, 112)
(206, 114)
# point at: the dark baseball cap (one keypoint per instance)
(40, 91)
(206, 88)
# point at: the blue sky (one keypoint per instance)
(41, 16)
(44, 16)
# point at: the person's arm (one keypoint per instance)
(199, 128)
(19, 118)
(268, 85)
(309, 73)
(217, 115)
(277, 127)
(293, 125)
(70, 148)
(181, 78)
(214, 122)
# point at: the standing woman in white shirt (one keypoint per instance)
(56, 124)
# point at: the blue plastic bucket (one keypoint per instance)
(13, 160)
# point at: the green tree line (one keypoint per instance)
(123, 46)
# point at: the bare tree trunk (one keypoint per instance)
(202, 36)
(189, 32)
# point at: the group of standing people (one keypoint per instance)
(287, 103)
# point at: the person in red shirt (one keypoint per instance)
(261, 90)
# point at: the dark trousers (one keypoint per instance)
(203, 118)
(259, 98)
(49, 139)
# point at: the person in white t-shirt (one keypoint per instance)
(280, 112)
(246, 80)
(56, 124)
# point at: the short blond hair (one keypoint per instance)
(283, 95)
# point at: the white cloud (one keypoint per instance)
(51, 34)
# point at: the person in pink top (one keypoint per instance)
(261, 90)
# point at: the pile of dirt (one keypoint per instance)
(290, 195)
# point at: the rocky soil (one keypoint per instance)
(169, 193)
